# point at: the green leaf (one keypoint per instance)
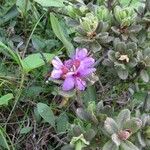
(5, 99)
(123, 74)
(90, 134)
(111, 126)
(116, 139)
(134, 125)
(33, 91)
(141, 139)
(120, 46)
(62, 122)
(9, 52)
(58, 30)
(36, 60)
(37, 116)
(46, 113)
(139, 96)
(10, 14)
(110, 145)
(123, 116)
(50, 3)
(83, 114)
(127, 145)
(3, 140)
(134, 3)
(144, 75)
(135, 28)
(25, 130)
(38, 42)
(89, 95)
(67, 147)
(23, 6)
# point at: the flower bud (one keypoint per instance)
(124, 135)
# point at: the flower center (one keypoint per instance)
(124, 58)
(77, 74)
(64, 70)
(76, 63)
(72, 67)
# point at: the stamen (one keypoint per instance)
(76, 63)
(64, 70)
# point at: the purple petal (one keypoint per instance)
(88, 62)
(80, 84)
(57, 63)
(56, 74)
(81, 53)
(87, 72)
(68, 63)
(68, 83)
(69, 74)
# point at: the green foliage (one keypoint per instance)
(60, 34)
(46, 113)
(123, 57)
(125, 17)
(62, 123)
(143, 135)
(36, 113)
(121, 130)
(4, 141)
(25, 130)
(23, 6)
(5, 99)
(52, 3)
(36, 60)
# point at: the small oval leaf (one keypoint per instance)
(36, 60)
(5, 99)
(46, 113)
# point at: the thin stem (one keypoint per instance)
(79, 98)
(47, 20)
(17, 96)
(25, 15)
(31, 35)
(4, 140)
(109, 4)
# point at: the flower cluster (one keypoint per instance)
(74, 71)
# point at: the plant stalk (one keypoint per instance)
(79, 146)
(17, 96)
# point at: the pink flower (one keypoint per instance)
(74, 71)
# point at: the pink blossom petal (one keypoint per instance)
(68, 83)
(86, 72)
(68, 63)
(80, 84)
(69, 74)
(88, 62)
(56, 74)
(81, 53)
(57, 63)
